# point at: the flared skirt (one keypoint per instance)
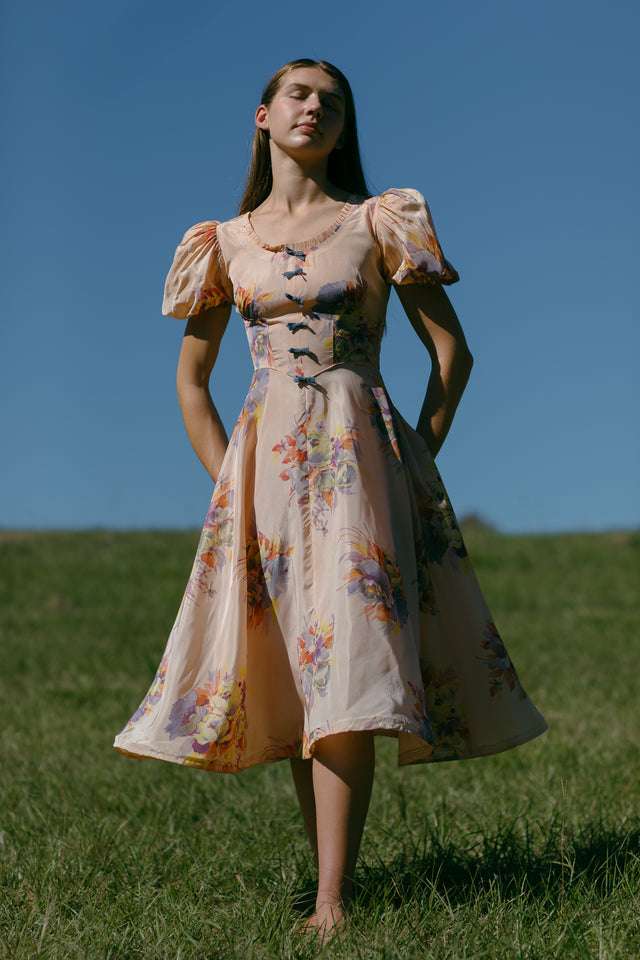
(331, 591)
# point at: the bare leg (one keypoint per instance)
(342, 777)
(302, 771)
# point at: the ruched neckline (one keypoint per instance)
(350, 202)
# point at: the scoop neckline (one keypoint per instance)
(302, 244)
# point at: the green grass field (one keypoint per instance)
(534, 853)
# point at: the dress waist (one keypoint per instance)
(309, 347)
(368, 372)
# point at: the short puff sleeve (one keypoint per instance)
(411, 252)
(198, 277)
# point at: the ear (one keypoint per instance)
(262, 117)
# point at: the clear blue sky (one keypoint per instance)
(127, 122)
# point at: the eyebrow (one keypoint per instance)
(295, 84)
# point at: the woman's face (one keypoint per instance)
(306, 116)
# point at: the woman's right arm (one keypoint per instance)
(200, 347)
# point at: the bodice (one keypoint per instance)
(313, 305)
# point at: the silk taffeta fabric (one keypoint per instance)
(331, 589)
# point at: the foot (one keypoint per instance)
(326, 921)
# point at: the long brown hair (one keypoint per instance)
(344, 167)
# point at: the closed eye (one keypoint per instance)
(329, 101)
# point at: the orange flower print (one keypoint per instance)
(314, 657)
(217, 534)
(216, 541)
(249, 300)
(212, 296)
(266, 570)
(320, 467)
(211, 719)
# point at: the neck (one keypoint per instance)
(297, 184)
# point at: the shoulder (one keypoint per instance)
(211, 230)
(199, 236)
(403, 227)
(198, 277)
(405, 202)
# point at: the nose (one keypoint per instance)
(314, 106)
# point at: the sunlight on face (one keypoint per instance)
(309, 105)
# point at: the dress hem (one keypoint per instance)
(415, 756)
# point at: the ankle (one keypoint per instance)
(336, 896)
(329, 900)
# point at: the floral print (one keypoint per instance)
(382, 420)
(155, 692)
(258, 337)
(426, 592)
(440, 530)
(320, 467)
(331, 590)
(339, 300)
(210, 721)
(314, 657)
(350, 336)
(199, 281)
(215, 545)
(375, 576)
(216, 538)
(446, 715)
(266, 570)
(253, 407)
(502, 671)
(210, 296)
(250, 300)
(418, 258)
(420, 713)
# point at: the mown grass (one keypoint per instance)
(531, 854)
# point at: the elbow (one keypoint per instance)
(186, 389)
(181, 382)
(190, 377)
(180, 389)
(465, 362)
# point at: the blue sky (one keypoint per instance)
(130, 121)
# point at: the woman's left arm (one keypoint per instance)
(434, 320)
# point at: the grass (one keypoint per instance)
(532, 854)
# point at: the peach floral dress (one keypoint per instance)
(331, 589)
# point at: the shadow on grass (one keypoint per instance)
(509, 864)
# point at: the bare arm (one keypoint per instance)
(200, 347)
(434, 320)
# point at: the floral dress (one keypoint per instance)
(331, 589)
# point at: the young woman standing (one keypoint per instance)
(331, 597)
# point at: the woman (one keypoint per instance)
(331, 597)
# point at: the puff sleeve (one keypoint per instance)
(198, 277)
(410, 249)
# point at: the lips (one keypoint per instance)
(307, 127)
